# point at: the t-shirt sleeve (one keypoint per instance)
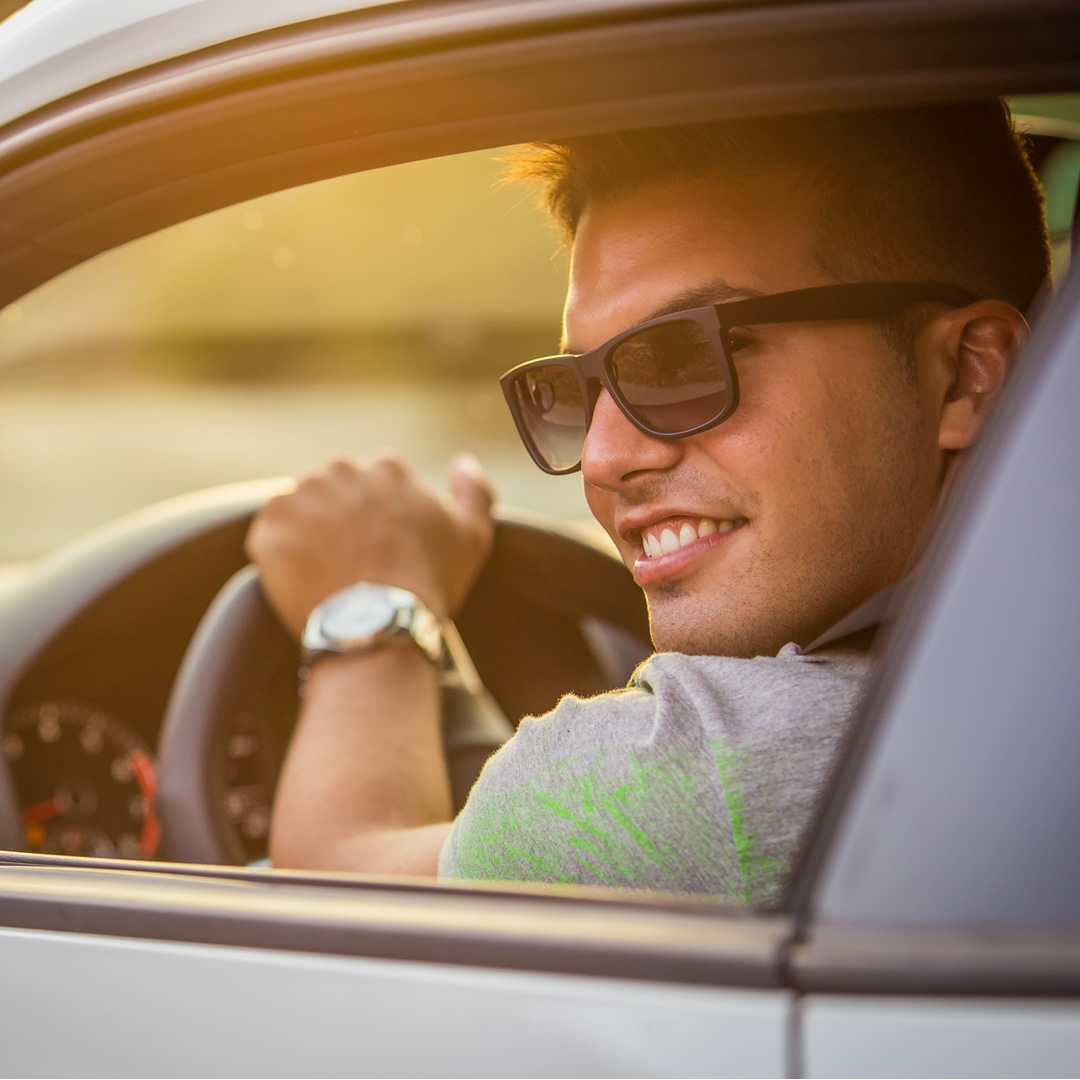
(620, 790)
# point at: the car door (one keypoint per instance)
(117, 973)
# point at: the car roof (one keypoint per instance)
(52, 48)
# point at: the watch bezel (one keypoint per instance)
(409, 616)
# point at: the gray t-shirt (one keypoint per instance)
(701, 776)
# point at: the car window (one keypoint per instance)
(1054, 121)
(358, 313)
(362, 312)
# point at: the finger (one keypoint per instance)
(470, 488)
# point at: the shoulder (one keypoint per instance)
(638, 786)
(678, 700)
(765, 688)
(603, 790)
(790, 665)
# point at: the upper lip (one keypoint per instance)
(631, 525)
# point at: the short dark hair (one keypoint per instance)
(943, 193)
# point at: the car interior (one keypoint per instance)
(553, 612)
(146, 719)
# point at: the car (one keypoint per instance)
(932, 924)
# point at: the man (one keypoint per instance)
(765, 467)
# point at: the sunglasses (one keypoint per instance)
(674, 376)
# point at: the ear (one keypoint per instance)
(976, 346)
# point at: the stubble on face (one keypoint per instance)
(831, 457)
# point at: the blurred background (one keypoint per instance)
(357, 313)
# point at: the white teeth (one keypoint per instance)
(669, 541)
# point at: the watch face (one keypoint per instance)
(358, 612)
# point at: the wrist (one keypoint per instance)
(394, 688)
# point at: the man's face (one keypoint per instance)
(814, 493)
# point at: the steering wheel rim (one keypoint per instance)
(238, 629)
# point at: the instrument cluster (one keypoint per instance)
(85, 783)
(84, 780)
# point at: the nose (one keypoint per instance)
(616, 452)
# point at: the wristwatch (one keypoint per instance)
(366, 616)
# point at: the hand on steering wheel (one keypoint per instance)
(236, 639)
(349, 521)
(373, 520)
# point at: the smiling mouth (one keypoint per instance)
(671, 535)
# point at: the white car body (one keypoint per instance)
(52, 48)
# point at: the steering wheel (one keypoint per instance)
(532, 570)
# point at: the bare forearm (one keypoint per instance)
(364, 786)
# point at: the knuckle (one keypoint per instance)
(340, 465)
(391, 464)
(308, 483)
(273, 512)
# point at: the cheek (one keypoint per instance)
(803, 438)
(772, 446)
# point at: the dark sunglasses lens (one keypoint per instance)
(671, 376)
(550, 403)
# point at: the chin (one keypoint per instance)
(686, 625)
(696, 638)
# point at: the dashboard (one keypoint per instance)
(91, 644)
(82, 722)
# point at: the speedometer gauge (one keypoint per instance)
(85, 782)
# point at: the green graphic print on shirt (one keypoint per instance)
(700, 777)
(666, 823)
(754, 869)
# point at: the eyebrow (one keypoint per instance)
(708, 293)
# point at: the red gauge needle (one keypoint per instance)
(146, 778)
(44, 810)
